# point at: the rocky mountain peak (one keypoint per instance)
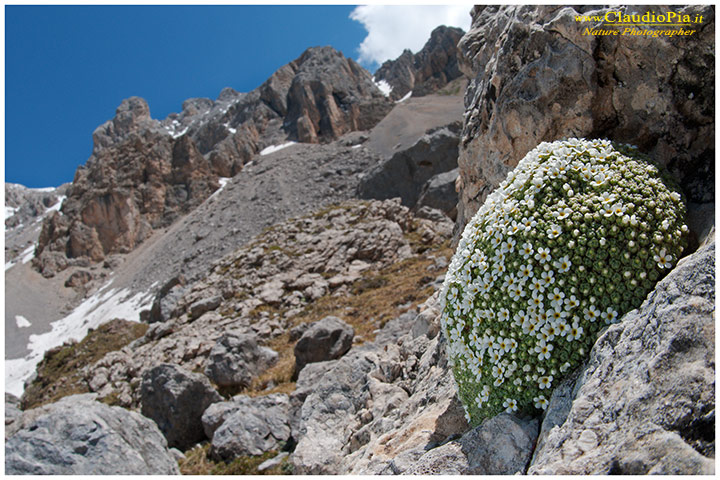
(433, 67)
(228, 94)
(131, 116)
(145, 173)
(330, 95)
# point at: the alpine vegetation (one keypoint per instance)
(576, 236)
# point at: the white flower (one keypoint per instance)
(548, 278)
(571, 302)
(510, 405)
(526, 272)
(537, 285)
(592, 313)
(541, 402)
(609, 315)
(557, 298)
(618, 209)
(606, 198)
(549, 331)
(526, 250)
(504, 345)
(554, 231)
(507, 246)
(545, 382)
(516, 293)
(543, 255)
(575, 332)
(562, 328)
(543, 350)
(563, 213)
(563, 265)
(663, 259)
(557, 315)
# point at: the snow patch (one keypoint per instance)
(93, 312)
(384, 87)
(230, 129)
(275, 148)
(9, 265)
(57, 206)
(43, 189)
(408, 95)
(222, 181)
(180, 133)
(10, 211)
(172, 129)
(28, 254)
(356, 146)
(22, 322)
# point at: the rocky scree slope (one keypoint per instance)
(144, 173)
(267, 287)
(271, 188)
(389, 405)
(294, 273)
(426, 71)
(535, 77)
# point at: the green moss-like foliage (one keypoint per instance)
(575, 237)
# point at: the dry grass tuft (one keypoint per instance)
(58, 374)
(198, 462)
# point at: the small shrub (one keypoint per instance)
(576, 236)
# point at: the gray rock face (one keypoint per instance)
(428, 70)
(79, 436)
(646, 403)
(236, 359)
(166, 299)
(502, 445)
(330, 95)
(12, 414)
(439, 192)
(326, 414)
(379, 408)
(405, 173)
(326, 339)
(536, 77)
(251, 426)
(204, 305)
(176, 399)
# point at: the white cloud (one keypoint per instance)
(393, 28)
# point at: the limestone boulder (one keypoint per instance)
(326, 339)
(80, 436)
(176, 399)
(645, 402)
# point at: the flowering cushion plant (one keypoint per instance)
(576, 236)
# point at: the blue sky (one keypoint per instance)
(68, 68)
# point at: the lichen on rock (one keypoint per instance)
(576, 236)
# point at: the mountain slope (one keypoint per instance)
(144, 173)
